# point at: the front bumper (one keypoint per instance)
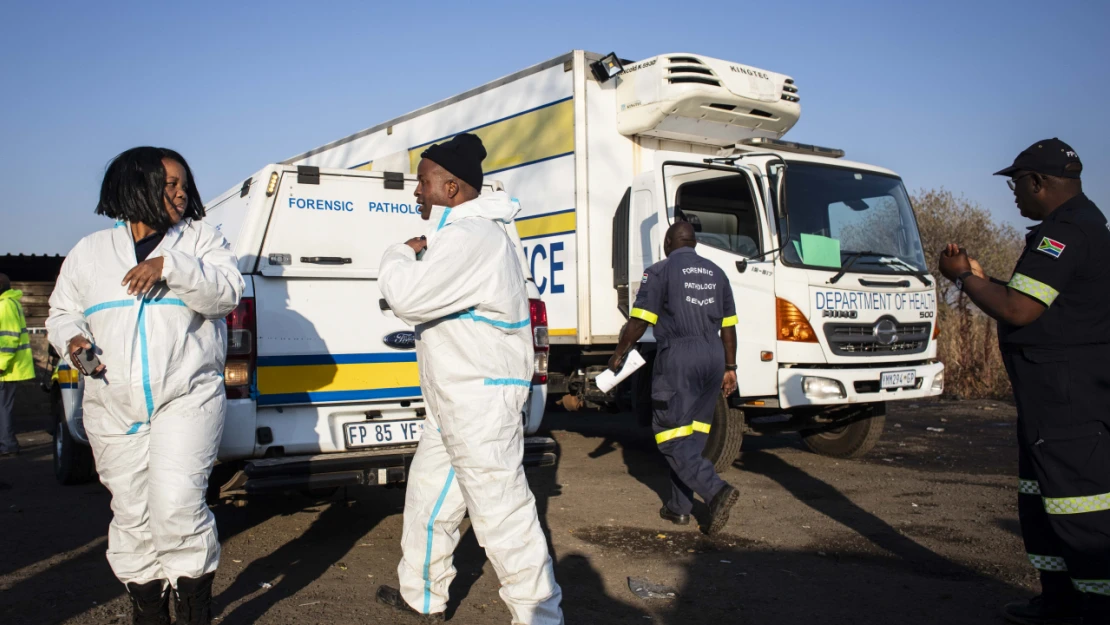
(861, 385)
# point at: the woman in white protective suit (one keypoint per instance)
(466, 297)
(149, 298)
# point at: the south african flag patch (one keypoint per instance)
(1051, 247)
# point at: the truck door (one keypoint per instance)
(728, 217)
(322, 335)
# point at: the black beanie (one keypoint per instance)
(462, 156)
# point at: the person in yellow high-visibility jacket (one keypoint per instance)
(16, 363)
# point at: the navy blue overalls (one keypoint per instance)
(1059, 366)
(688, 299)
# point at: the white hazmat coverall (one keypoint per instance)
(154, 419)
(466, 298)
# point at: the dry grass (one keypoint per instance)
(968, 344)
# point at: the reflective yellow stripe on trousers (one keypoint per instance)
(686, 430)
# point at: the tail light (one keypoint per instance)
(241, 350)
(540, 342)
(793, 325)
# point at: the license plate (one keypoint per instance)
(898, 379)
(374, 433)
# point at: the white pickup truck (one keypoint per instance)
(322, 382)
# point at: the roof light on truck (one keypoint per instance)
(790, 146)
(793, 325)
(608, 67)
(272, 185)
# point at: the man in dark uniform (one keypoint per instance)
(689, 301)
(1054, 329)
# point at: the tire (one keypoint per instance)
(853, 440)
(73, 460)
(725, 436)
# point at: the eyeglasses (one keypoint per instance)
(1012, 182)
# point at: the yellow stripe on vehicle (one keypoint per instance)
(562, 332)
(679, 432)
(535, 135)
(646, 315)
(282, 380)
(546, 225)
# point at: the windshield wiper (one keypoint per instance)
(852, 258)
(913, 271)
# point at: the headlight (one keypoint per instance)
(938, 383)
(823, 388)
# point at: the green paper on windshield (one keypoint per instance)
(820, 251)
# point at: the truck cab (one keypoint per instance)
(837, 312)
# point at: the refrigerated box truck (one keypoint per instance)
(836, 309)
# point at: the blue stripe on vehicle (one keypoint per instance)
(135, 427)
(428, 548)
(508, 325)
(146, 363)
(334, 359)
(443, 220)
(508, 382)
(404, 392)
(121, 303)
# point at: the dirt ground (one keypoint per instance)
(923, 530)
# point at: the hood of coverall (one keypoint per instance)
(495, 206)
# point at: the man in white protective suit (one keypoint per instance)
(148, 298)
(466, 298)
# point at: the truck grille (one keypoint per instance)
(886, 336)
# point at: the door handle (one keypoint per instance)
(326, 260)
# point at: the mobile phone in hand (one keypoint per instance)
(88, 359)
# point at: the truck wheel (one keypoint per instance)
(853, 440)
(725, 436)
(73, 461)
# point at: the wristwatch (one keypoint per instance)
(730, 367)
(960, 280)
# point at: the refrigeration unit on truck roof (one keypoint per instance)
(689, 97)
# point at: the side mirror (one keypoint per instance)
(742, 265)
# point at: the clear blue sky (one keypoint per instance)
(945, 93)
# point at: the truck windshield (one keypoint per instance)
(835, 214)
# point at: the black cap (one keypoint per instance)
(1051, 157)
(462, 156)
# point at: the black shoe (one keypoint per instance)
(720, 507)
(194, 600)
(392, 598)
(1038, 611)
(150, 603)
(674, 517)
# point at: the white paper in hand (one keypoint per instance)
(606, 380)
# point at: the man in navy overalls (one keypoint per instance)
(689, 301)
